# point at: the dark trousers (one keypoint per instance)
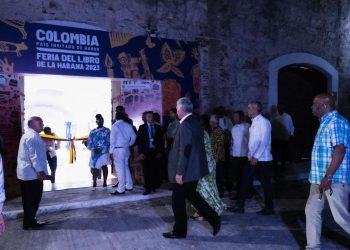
(52, 164)
(279, 154)
(151, 170)
(228, 174)
(263, 172)
(32, 192)
(187, 191)
(238, 165)
(220, 179)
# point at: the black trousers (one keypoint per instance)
(152, 171)
(238, 165)
(187, 191)
(220, 178)
(52, 164)
(263, 172)
(279, 154)
(32, 192)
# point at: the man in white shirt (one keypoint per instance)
(31, 171)
(2, 197)
(121, 139)
(239, 147)
(260, 159)
(282, 131)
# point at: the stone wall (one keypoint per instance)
(246, 35)
(178, 19)
(239, 38)
(343, 60)
(11, 112)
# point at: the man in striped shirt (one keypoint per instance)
(330, 170)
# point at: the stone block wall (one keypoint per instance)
(239, 38)
(247, 35)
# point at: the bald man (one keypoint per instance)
(330, 170)
(31, 171)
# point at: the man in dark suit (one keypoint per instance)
(151, 147)
(188, 164)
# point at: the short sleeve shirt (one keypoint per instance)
(334, 130)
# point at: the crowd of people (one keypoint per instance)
(203, 156)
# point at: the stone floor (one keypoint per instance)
(138, 224)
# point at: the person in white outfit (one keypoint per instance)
(32, 171)
(239, 148)
(260, 160)
(122, 137)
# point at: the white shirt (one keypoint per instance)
(183, 118)
(31, 158)
(51, 146)
(122, 135)
(260, 139)
(240, 139)
(2, 190)
(282, 126)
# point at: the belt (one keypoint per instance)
(120, 147)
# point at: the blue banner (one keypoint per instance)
(37, 48)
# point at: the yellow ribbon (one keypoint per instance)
(72, 151)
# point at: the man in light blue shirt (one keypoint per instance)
(31, 171)
(330, 170)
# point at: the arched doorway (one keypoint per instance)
(294, 79)
(297, 85)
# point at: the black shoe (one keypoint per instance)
(265, 212)
(236, 209)
(153, 191)
(35, 226)
(172, 235)
(117, 193)
(115, 186)
(129, 190)
(216, 226)
(104, 185)
(147, 192)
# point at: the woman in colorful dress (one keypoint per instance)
(98, 143)
(207, 185)
(217, 139)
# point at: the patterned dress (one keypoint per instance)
(207, 185)
(99, 138)
(217, 140)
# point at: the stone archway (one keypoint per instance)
(297, 74)
(299, 58)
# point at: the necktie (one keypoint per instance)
(152, 130)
